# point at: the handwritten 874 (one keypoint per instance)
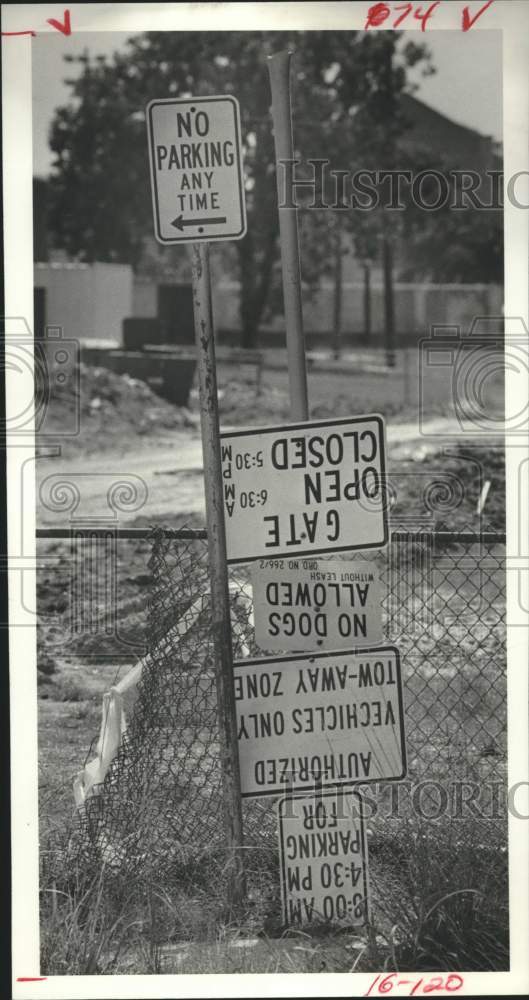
(379, 12)
(450, 983)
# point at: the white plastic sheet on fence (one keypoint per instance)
(114, 722)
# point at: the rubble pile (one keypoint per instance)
(111, 406)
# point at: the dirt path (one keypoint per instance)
(167, 475)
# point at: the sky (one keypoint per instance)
(466, 88)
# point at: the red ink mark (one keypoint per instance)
(467, 21)
(18, 33)
(376, 15)
(450, 983)
(387, 983)
(65, 28)
(423, 18)
(435, 984)
(31, 979)
(408, 7)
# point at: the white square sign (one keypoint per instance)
(302, 489)
(196, 169)
(319, 720)
(316, 604)
(323, 859)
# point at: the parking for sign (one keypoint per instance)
(323, 859)
(301, 489)
(319, 720)
(196, 169)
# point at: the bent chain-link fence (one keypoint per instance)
(157, 816)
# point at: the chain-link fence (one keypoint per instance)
(157, 816)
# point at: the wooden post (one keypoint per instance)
(279, 69)
(218, 570)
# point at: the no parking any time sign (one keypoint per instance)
(196, 169)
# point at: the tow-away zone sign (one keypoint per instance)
(319, 720)
(303, 489)
(316, 604)
(323, 859)
(196, 169)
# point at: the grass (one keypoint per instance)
(453, 914)
(439, 897)
(438, 904)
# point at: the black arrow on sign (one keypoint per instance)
(180, 222)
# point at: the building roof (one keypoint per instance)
(460, 146)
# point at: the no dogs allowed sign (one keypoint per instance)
(196, 169)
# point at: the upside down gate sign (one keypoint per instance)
(301, 489)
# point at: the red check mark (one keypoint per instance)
(468, 21)
(65, 28)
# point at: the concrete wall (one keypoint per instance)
(89, 301)
(144, 297)
(417, 307)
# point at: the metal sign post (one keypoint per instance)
(279, 69)
(220, 603)
(195, 156)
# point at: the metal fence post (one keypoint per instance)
(218, 569)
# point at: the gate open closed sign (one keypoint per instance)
(301, 489)
(196, 169)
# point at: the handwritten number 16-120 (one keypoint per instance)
(385, 984)
(379, 12)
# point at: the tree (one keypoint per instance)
(368, 133)
(100, 181)
(448, 245)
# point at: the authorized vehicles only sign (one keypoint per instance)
(319, 720)
(196, 169)
(302, 489)
(316, 604)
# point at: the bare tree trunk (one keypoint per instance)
(254, 293)
(367, 301)
(389, 302)
(338, 288)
